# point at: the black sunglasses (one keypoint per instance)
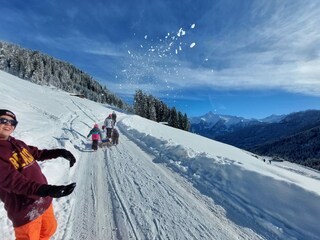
(11, 122)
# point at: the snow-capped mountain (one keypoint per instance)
(158, 182)
(211, 124)
(293, 137)
(273, 118)
(212, 118)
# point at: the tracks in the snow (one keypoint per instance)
(121, 214)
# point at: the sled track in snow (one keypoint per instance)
(91, 207)
(117, 203)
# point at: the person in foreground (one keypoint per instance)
(24, 190)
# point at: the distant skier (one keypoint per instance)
(24, 189)
(96, 136)
(115, 136)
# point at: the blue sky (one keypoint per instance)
(250, 58)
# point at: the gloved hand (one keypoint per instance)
(55, 191)
(67, 155)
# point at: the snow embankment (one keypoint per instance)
(241, 183)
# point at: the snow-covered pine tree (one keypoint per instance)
(45, 70)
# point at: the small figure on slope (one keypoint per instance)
(115, 136)
(114, 117)
(108, 123)
(95, 132)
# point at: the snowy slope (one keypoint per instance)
(159, 182)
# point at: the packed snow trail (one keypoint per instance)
(122, 194)
(90, 211)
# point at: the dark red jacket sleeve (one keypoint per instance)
(13, 181)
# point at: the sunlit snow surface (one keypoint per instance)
(159, 182)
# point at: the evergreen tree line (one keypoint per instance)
(151, 108)
(45, 70)
(302, 148)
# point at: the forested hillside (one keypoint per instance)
(152, 108)
(295, 138)
(42, 69)
(261, 133)
(302, 148)
(45, 70)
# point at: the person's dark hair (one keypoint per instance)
(7, 113)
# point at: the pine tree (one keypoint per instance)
(138, 103)
(152, 109)
(173, 120)
(185, 123)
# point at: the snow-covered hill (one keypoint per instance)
(159, 182)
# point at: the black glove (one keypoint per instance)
(55, 191)
(67, 155)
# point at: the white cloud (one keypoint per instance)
(75, 41)
(282, 51)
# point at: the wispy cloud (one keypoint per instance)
(279, 48)
(76, 42)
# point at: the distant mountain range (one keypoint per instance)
(212, 125)
(294, 137)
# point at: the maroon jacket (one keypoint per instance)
(20, 178)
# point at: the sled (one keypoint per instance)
(105, 143)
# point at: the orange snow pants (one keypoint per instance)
(41, 228)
